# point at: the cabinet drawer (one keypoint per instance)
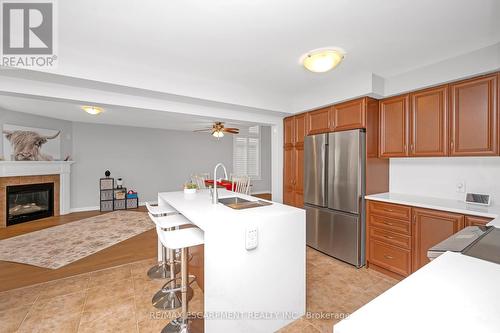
(390, 237)
(389, 224)
(390, 210)
(471, 221)
(390, 257)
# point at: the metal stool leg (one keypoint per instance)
(169, 297)
(160, 270)
(184, 323)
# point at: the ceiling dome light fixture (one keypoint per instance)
(322, 60)
(94, 110)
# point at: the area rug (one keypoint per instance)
(59, 246)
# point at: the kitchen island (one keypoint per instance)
(258, 290)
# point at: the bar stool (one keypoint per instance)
(182, 239)
(162, 269)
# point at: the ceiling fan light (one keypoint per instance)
(322, 60)
(218, 134)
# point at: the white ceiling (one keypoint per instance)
(247, 53)
(113, 115)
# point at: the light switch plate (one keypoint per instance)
(251, 238)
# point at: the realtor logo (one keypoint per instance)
(28, 34)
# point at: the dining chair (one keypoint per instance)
(241, 184)
(199, 179)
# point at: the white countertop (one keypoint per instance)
(199, 209)
(449, 205)
(453, 293)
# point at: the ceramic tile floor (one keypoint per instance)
(119, 299)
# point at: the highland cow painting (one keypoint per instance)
(30, 144)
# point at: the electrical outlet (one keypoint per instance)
(251, 238)
(460, 187)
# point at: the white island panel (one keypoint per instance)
(260, 290)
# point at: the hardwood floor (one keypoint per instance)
(14, 275)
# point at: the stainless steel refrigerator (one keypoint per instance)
(334, 188)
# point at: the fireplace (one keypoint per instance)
(29, 202)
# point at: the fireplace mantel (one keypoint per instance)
(40, 168)
(34, 168)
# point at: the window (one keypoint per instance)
(246, 153)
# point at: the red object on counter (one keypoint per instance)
(226, 183)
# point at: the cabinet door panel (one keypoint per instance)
(474, 114)
(394, 126)
(372, 126)
(299, 176)
(318, 121)
(288, 175)
(289, 131)
(429, 122)
(300, 128)
(430, 228)
(349, 115)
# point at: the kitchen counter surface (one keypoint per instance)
(259, 290)
(453, 293)
(448, 205)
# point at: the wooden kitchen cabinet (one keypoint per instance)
(289, 131)
(476, 221)
(300, 128)
(429, 122)
(349, 115)
(389, 238)
(430, 227)
(318, 121)
(394, 113)
(474, 116)
(293, 160)
(299, 177)
(288, 175)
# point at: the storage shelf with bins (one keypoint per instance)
(113, 198)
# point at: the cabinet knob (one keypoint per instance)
(388, 256)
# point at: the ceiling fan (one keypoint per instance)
(218, 130)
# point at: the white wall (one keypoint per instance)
(438, 177)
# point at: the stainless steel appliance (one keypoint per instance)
(478, 242)
(334, 188)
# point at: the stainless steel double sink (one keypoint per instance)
(239, 203)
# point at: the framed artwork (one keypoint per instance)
(30, 144)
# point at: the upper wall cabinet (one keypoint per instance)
(348, 115)
(289, 131)
(300, 128)
(429, 122)
(318, 121)
(474, 112)
(394, 126)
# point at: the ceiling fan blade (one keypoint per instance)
(203, 130)
(231, 131)
(232, 128)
